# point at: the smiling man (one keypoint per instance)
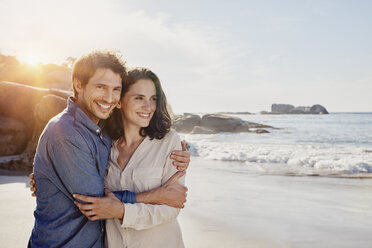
(72, 155)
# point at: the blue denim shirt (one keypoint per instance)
(71, 157)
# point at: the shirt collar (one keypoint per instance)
(82, 117)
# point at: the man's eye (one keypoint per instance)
(99, 87)
(138, 98)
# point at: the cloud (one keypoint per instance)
(188, 57)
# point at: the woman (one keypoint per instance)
(139, 162)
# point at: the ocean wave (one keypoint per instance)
(295, 158)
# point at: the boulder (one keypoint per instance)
(318, 109)
(259, 131)
(235, 113)
(290, 109)
(223, 123)
(300, 110)
(281, 108)
(186, 123)
(48, 107)
(257, 125)
(13, 139)
(202, 130)
(24, 112)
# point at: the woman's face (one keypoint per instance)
(139, 103)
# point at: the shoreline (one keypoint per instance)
(235, 205)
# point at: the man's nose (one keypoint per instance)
(108, 96)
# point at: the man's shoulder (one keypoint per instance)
(63, 127)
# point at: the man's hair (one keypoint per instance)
(160, 122)
(85, 67)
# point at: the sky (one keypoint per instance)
(212, 56)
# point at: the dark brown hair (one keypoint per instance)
(85, 67)
(160, 122)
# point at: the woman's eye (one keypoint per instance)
(154, 99)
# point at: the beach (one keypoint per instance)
(231, 204)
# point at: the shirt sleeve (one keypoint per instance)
(141, 216)
(76, 166)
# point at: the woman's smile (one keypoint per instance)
(139, 104)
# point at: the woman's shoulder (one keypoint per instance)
(170, 139)
(172, 136)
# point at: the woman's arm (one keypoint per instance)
(111, 207)
(143, 216)
(169, 194)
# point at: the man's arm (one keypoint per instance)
(111, 207)
(75, 166)
(171, 193)
(142, 216)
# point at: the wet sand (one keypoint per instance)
(236, 205)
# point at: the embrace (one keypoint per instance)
(108, 170)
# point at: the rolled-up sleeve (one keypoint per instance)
(141, 216)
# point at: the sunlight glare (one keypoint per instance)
(31, 60)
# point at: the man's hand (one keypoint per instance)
(106, 207)
(32, 184)
(171, 193)
(182, 158)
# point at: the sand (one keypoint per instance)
(236, 205)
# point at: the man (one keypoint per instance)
(72, 154)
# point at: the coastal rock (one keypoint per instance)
(24, 112)
(281, 108)
(12, 137)
(48, 107)
(290, 109)
(318, 109)
(260, 131)
(186, 123)
(202, 130)
(212, 123)
(223, 123)
(257, 125)
(300, 110)
(235, 113)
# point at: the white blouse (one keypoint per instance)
(144, 225)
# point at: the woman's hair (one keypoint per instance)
(160, 122)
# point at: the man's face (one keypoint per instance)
(100, 95)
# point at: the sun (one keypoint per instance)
(31, 60)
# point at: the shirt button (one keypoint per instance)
(97, 131)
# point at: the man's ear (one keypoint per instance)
(118, 105)
(78, 87)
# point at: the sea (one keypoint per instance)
(332, 145)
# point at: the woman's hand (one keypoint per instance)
(95, 208)
(182, 158)
(32, 184)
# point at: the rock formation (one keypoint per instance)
(24, 112)
(213, 123)
(290, 109)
